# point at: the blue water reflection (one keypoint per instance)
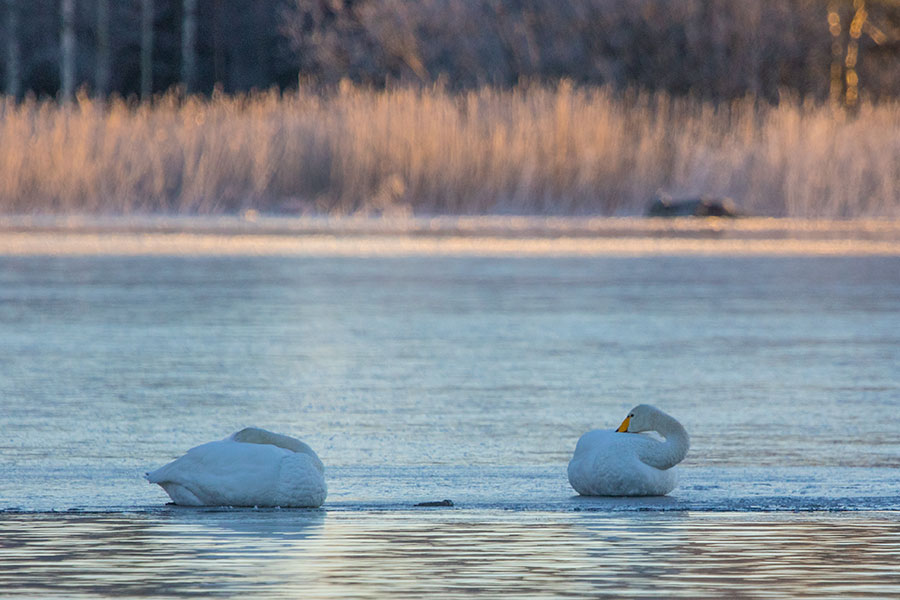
(284, 554)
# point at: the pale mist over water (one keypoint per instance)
(423, 378)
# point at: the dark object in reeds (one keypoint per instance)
(700, 206)
(435, 504)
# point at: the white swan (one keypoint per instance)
(625, 463)
(252, 467)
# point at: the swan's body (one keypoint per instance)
(626, 463)
(252, 467)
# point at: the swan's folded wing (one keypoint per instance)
(607, 463)
(224, 473)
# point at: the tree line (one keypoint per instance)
(714, 49)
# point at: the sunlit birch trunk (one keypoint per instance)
(13, 56)
(146, 49)
(101, 80)
(67, 46)
(189, 46)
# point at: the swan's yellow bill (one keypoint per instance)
(623, 428)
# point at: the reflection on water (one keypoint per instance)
(203, 554)
(399, 554)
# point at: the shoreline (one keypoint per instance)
(488, 236)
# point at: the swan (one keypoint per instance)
(251, 467)
(625, 463)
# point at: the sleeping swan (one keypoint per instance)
(625, 463)
(252, 467)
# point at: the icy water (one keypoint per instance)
(424, 378)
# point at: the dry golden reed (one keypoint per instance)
(530, 150)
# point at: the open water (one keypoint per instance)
(467, 378)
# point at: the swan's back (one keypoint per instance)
(236, 472)
(256, 435)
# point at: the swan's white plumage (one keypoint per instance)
(252, 467)
(609, 463)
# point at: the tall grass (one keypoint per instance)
(530, 150)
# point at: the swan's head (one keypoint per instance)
(642, 417)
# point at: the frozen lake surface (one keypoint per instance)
(420, 378)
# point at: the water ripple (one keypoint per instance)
(312, 554)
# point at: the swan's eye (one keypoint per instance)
(631, 416)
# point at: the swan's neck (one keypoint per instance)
(669, 453)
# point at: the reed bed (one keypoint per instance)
(550, 150)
